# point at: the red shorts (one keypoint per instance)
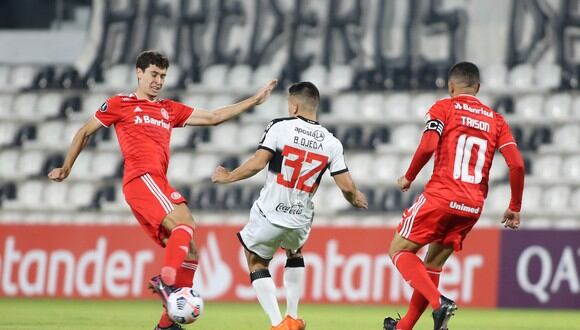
(151, 198)
(427, 221)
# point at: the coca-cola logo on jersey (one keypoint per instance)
(297, 209)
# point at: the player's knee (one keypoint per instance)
(294, 254)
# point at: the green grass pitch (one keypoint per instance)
(41, 314)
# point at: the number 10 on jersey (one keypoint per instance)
(295, 159)
(463, 157)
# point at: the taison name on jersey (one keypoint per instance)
(474, 123)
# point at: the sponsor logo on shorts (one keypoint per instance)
(464, 208)
(297, 209)
(175, 195)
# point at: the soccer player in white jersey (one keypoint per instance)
(297, 150)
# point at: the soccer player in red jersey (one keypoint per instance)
(464, 135)
(143, 123)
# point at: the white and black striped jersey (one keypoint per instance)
(303, 150)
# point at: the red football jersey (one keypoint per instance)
(470, 133)
(143, 129)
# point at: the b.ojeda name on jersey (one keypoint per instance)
(307, 142)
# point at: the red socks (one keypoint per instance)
(414, 272)
(418, 303)
(185, 274)
(165, 321)
(175, 252)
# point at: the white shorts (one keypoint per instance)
(263, 238)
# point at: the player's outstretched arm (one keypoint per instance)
(80, 140)
(249, 168)
(354, 196)
(201, 117)
(515, 163)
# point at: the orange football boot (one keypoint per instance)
(294, 324)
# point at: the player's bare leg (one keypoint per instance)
(265, 288)
(293, 283)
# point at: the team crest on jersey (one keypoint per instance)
(175, 195)
(164, 113)
(103, 107)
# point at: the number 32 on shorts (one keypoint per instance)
(295, 159)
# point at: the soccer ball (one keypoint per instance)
(184, 305)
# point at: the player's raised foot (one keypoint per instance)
(442, 314)
(174, 326)
(281, 326)
(390, 323)
(160, 288)
(294, 324)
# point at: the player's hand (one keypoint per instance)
(262, 95)
(360, 200)
(58, 174)
(511, 219)
(403, 183)
(220, 175)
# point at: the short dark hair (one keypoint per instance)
(149, 57)
(305, 89)
(466, 72)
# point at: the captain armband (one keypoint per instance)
(435, 125)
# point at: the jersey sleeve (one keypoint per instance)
(270, 137)
(109, 112)
(337, 163)
(505, 136)
(181, 113)
(436, 117)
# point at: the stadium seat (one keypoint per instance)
(195, 100)
(406, 137)
(180, 169)
(360, 167)
(180, 138)
(220, 100)
(29, 197)
(558, 106)
(529, 106)
(203, 165)
(556, 198)
(547, 167)
(494, 76)
(7, 133)
(249, 137)
(532, 199)
(263, 74)
(498, 199)
(567, 137)
(4, 76)
(104, 164)
(420, 104)
(6, 111)
(390, 200)
(55, 196)
(340, 77)
(571, 168)
(548, 75)
(386, 168)
(8, 163)
(316, 74)
(522, 77)
(22, 76)
(371, 107)
(574, 201)
(222, 138)
(82, 167)
(24, 106)
(172, 80)
(239, 76)
(397, 106)
(345, 107)
(275, 107)
(215, 76)
(91, 103)
(30, 164)
(81, 194)
(119, 77)
(49, 105)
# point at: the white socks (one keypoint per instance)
(266, 292)
(294, 283)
